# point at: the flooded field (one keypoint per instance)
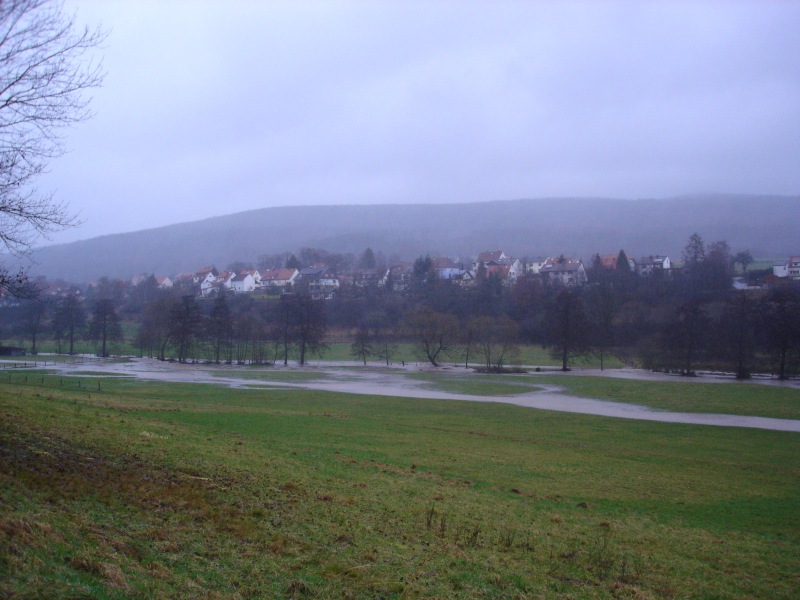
(400, 381)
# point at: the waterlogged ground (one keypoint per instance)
(446, 383)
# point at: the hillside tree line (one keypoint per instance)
(683, 320)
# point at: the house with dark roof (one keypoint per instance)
(495, 256)
(647, 265)
(204, 274)
(242, 283)
(565, 271)
(398, 277)
(206, 279)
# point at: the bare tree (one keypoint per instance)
(104, 325)
(70, 316)
(362, 346)
(299, 324)
(566, 327)
(45, 71)
(309, 325)
(154, 329)
(434, 333)
(185, 326)
(737, 332)
(381, 327)
(33, 319)
(780, 320)
(218, 329)
(496, 339)
(601, 309)
(743, 258)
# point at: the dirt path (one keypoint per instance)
(339, 377)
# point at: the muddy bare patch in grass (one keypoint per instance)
(111, 522)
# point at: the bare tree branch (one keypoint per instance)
(43, 77)
(46, 69)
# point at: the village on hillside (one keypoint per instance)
(651, 311)
(323, 281)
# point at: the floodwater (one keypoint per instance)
(352, 378)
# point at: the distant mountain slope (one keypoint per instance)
(767, 225)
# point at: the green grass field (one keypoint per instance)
(528, 355)
(119, 348)
(163, 490)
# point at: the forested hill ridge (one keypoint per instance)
(579, 227)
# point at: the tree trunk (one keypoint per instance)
(105, 335)
(782, 364)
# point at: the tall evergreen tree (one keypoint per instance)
(623, 265)
(367, 260)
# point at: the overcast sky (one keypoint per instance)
(210, 108)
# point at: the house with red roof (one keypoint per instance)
(279, 278)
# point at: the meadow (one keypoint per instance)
(128, 488)
(529, 354)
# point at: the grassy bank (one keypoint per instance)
(150, 489)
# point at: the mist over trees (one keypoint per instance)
(577, 227)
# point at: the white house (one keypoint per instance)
(651, 264)
(516, 270)
(242, 282)
(790, 268)
(781, 269)
(566, 271)
(208, 284)
(533, 266)
(448, 272)
(254, 272)
(324, 288)
(398, 276)
(279, 278)
(202, 274)
(793, 266)
(224, 279)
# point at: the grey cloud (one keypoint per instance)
(214, 107)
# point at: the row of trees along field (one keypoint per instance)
(682, 321)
